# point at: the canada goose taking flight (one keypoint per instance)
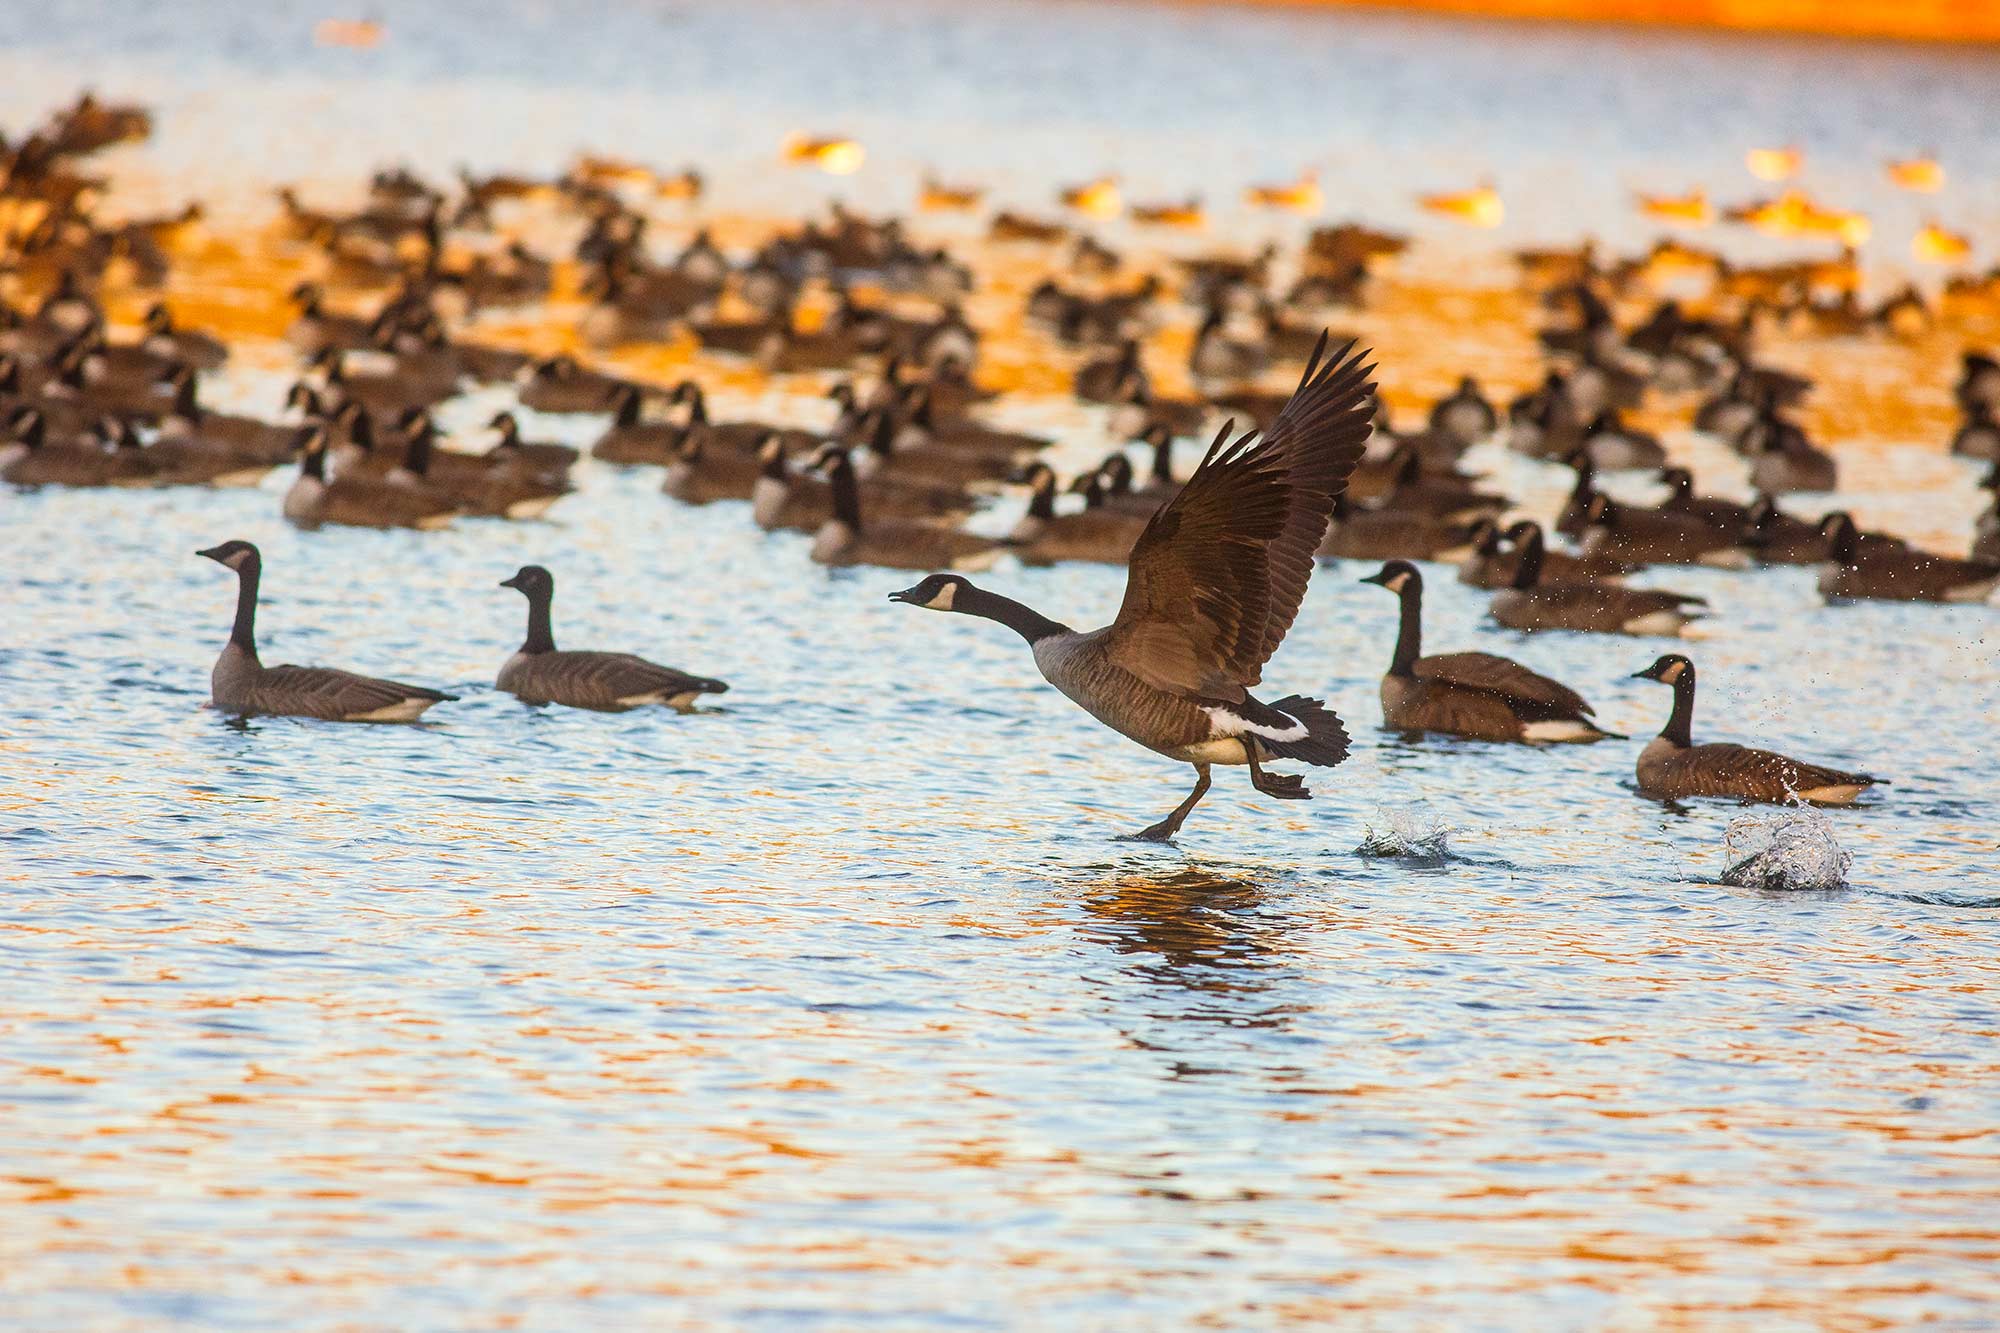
(540, 673)
(1601, 608)
(1480, 695)
(244, 687)
(1672, 766)
(1215, 582)
(1855, 571)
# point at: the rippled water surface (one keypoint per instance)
(837, 1003)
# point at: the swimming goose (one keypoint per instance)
(1478, 695)
(1615, 447)
(699, 475)
(1400, 484)
(1783, 461)
(1657, 537)
(1855, 572)
(180, 463)
(1496, 559)
(1215, 582)
(1464, 415)
(1217, 356)
(559, 384)
(165, 339)
(1390, 534)
(782, 498)
(485, 485)
(244, 687)
(356, 500)
(1672, 766)
(1710, 509)
(1978, 436)
(385, 392)
(530, 455)
(540, 673)
(630, 439)
(1100, 379)
(29, 458)
(1099, 533)
(316, 329)
(1599, 608)
(188, 422)
(846, 539)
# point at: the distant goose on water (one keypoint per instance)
(1673, 766)
(244, 687)
(1480, 695)
(1214, 584)
(540, 673)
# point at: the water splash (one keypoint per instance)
(1791, 851)
(1413, 831)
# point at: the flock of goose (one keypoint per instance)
(871, 323)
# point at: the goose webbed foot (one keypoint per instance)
(1282, 786)
(1171, 825)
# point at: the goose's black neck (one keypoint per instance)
(846, 492)
(1680, 724)
(1025, 621)
(1410, 635)
(541, 638)
(1042, 504)
(1528, 570)
(244, 632)
(1163, 461)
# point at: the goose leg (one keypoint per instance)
(1171, 825)
(1284, 786)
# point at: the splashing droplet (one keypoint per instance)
(1412, 831)
(1792, 851)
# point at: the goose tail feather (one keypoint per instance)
(1325, 742)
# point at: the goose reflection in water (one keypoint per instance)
(1214, 942)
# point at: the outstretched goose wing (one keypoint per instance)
(1217, 576)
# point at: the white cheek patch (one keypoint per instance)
(943, 601)
(1229, 724)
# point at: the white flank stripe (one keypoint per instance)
(1229, 724)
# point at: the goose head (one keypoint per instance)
(240, 556)
(1670, 669)
(938, 592)
(532, 581)
(1396, 575)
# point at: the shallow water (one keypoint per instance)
(838, 1003)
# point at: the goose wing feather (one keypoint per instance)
(1725, 769)
(325, 692)
(605, 680)
(1218, 574)
(1532, 695)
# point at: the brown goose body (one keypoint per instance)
(1495, 560)
(1214, 583)
(1477, 695)
(630, 439)
(561, 385)
(782, 498)
(1853, 572)
(1099, 533)
(699, 475)
(1673, 767)
(1657, 537)
(540, 673)
(1599, 608)
(357, 500)
(848, 538)
(242, 686)
(1389, 534)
